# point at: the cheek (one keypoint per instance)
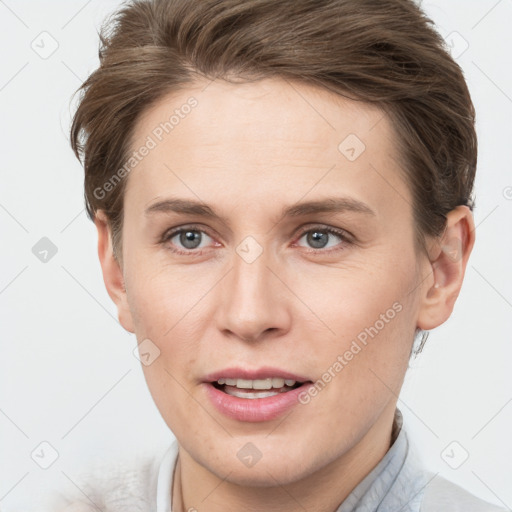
(371, 319)
(362, 370)
(367, 294)
(165, 309)
(164, 300)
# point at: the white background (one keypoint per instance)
(67, 372)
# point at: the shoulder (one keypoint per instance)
(441, 494)
(111, 487)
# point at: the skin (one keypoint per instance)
(248, 150)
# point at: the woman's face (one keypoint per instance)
(279, 284)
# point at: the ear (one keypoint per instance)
(448, 257)
(112, 271)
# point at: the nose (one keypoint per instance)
(253, 301)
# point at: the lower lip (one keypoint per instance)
(254, 409)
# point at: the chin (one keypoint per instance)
(276, 464)
(264, 475)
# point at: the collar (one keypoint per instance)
(396, 483)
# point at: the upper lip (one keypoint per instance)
(255, 374)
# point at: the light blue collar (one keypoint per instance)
(396, 484)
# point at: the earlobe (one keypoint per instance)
(448, 256)
(112, 271)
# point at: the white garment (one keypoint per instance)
(398, 483)
(165, 479)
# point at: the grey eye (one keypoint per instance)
(322, 238)
(317, 239)
(190, 239)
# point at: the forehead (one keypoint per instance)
(265, 110)
(261, 135)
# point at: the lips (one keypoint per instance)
(254, 395)
(261, 373)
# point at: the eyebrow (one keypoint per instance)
(327, 205)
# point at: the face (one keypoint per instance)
(302, 267)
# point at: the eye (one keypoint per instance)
(323, 239)
(188, 238)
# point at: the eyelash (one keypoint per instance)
(342, 234)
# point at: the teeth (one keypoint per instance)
(277, 383)
(258, 384)
(245, 394)
(274, 382)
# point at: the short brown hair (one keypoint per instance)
(384, 52)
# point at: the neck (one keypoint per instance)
(324, 490)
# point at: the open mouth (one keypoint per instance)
(257, 388)
(261, 394)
